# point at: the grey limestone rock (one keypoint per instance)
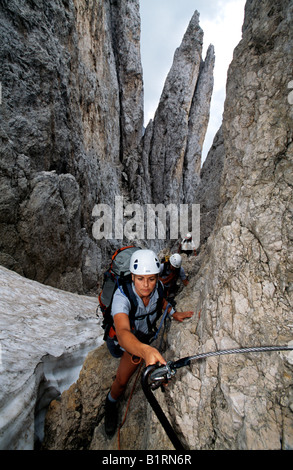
(65, 147)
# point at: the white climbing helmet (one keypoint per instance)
(188, 236)
(144, 262)
(176, 260)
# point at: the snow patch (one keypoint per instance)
(45, 335)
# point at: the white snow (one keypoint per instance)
(45, 335)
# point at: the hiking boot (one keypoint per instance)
(111, 417)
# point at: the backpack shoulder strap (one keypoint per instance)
(128, 291)
(160, 299)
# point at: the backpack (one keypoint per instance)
(118, 276)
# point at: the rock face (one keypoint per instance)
(61, 131)
(76, 421)
(240, 285)
(72, 137)
(172, 143)
(244, 286)
(71, 131)
(207, 191)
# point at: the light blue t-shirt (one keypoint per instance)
(121, 304)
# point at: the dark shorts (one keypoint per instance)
(114, 348)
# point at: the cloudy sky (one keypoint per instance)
(163, 24)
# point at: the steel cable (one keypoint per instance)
(186, 361)
(172, 366)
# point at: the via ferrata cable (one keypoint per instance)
(154, 376)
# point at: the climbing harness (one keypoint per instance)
(155, 376)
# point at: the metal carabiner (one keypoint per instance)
(161, 375)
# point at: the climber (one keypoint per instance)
(170, 271)
(187, 245)
(134, 337)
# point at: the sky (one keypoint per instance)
(163, 24)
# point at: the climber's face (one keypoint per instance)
(144, 284)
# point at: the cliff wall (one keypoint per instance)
(65, 147)
(72, 132)
(240, 284)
